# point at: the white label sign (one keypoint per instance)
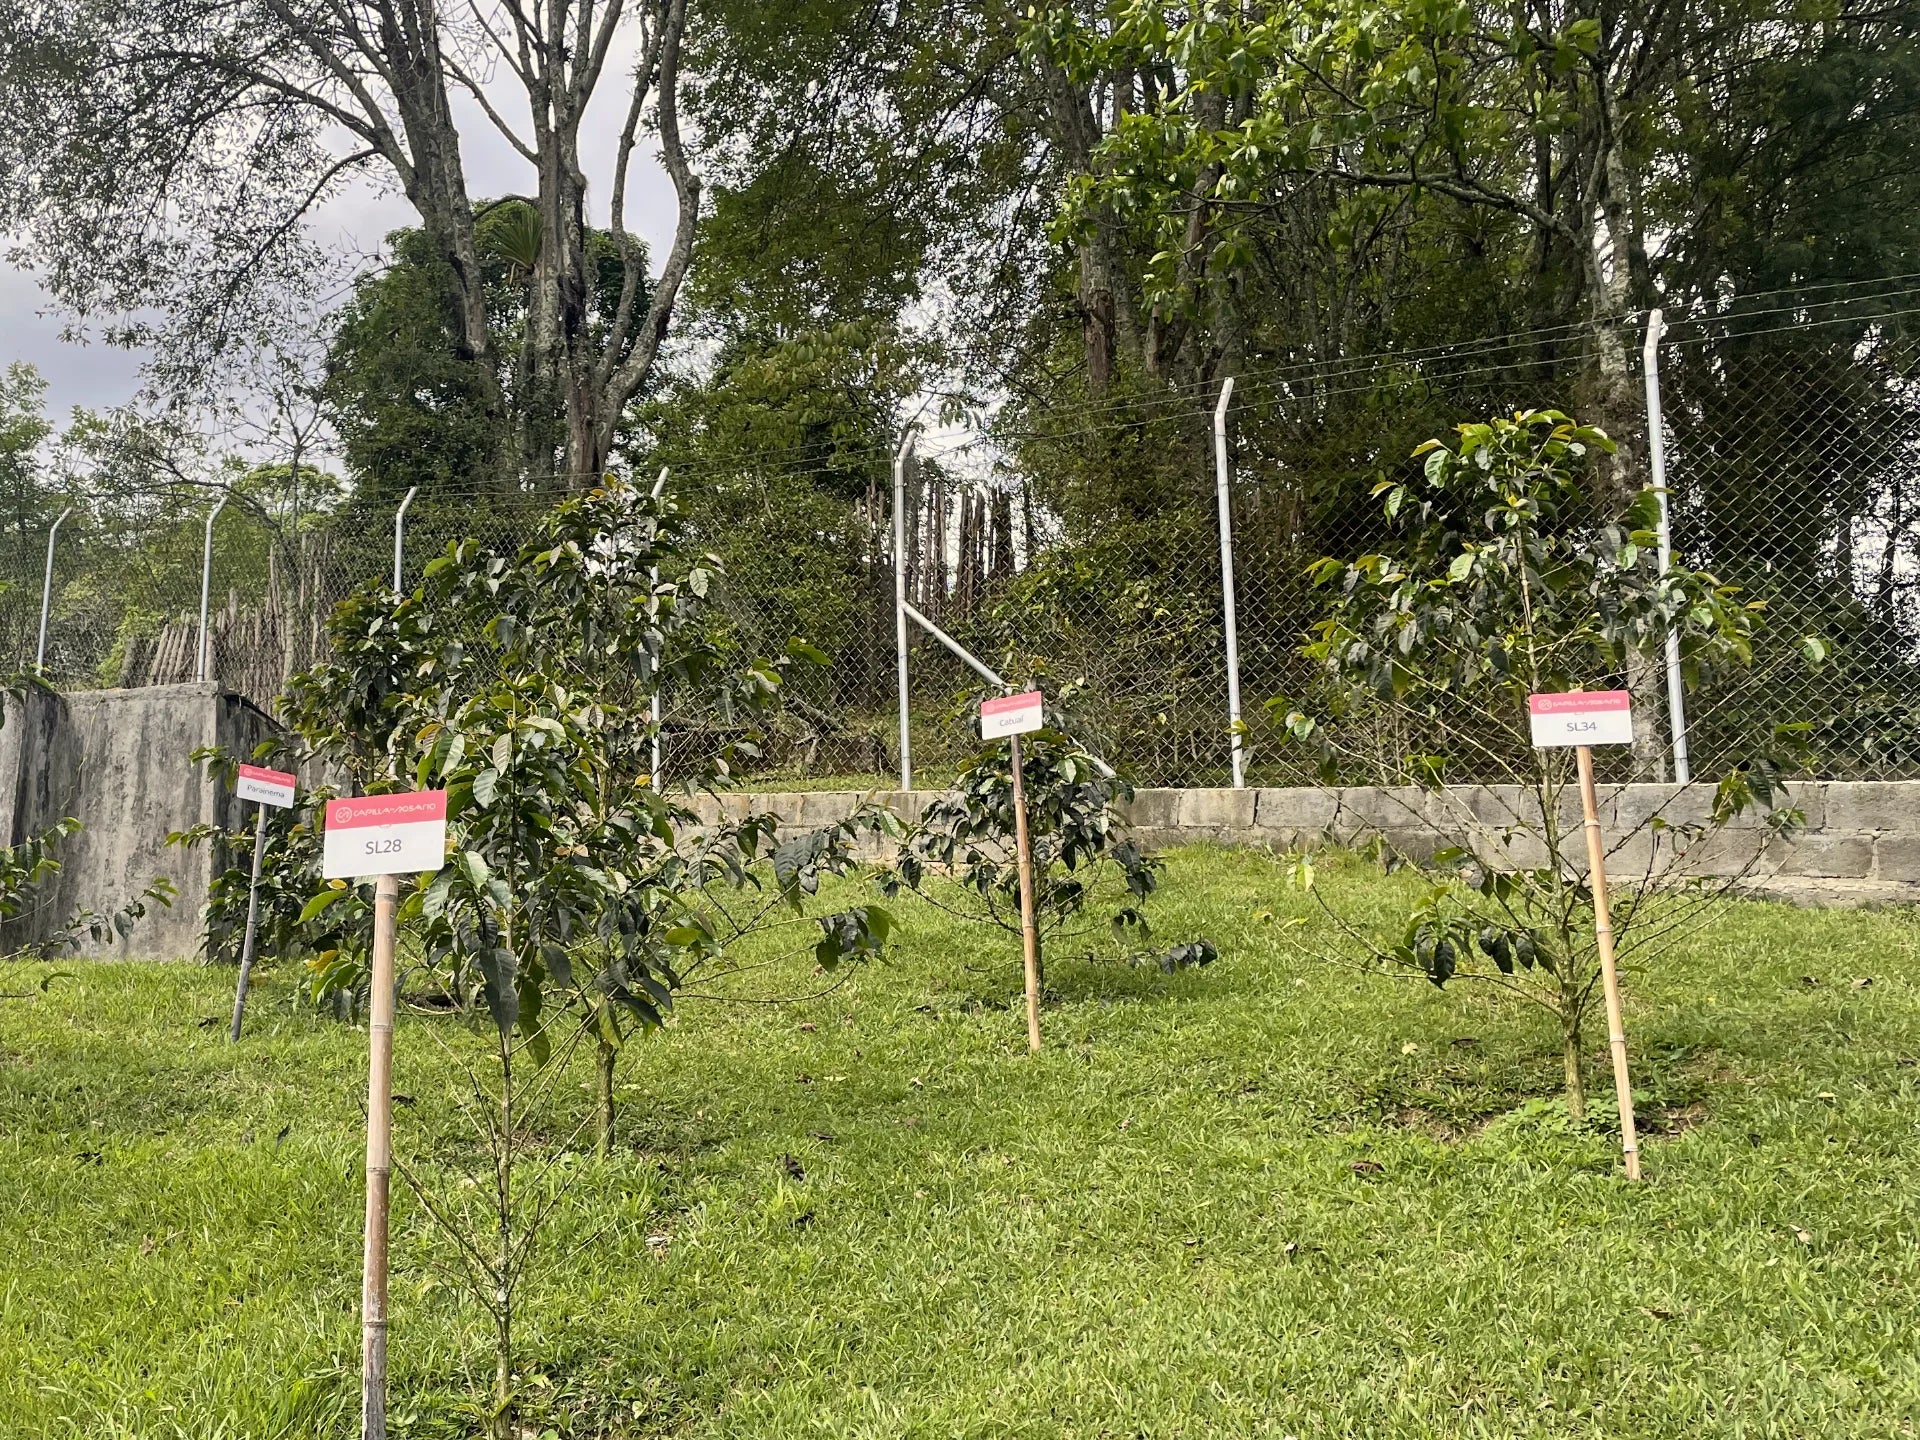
(269, 787)
(1011, 715)
(384, 835)
(1581, 717)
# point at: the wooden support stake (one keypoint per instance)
(1029, 929)
(373, 1288)
(1609, 975)
(253, 921)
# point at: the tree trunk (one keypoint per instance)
(502, 1426)
(910, 532)
(605, 1057)
(935, 575)
(1001, 544)
(1576, 1068)
(1100, 286)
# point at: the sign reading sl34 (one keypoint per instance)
(1581, 717)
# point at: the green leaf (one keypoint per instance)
(319, 903)
(499, 972)
(474, 866)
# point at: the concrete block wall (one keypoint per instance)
(118, 761)
(1861, 844)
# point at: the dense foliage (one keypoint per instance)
(1509, 580)
(1089, 872)
(1062, 225)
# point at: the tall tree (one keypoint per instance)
(410, 408)
(24, 429)
(229, 120)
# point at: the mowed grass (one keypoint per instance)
(1263, 1199)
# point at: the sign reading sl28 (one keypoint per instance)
(384, 835)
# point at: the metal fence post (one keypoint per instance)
(46, 596)
(655, 711)
(206, 582)
(900, 602)
(400, 535)
(1226, 580)
(1657, 464)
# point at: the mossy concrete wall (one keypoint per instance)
(118, 762)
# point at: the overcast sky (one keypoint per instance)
(98, 375)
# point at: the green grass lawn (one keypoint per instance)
(1262, 1199)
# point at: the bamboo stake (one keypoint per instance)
(373, 1289)
(1609, 975)
(253, 920)
(1029, 930)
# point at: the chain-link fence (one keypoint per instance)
(1792, 434)
(1082, 551)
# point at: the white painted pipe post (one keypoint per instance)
(1657, 464)
(654, 708)
(46, 595)
(400, 536)
(206, 584)
(982, 669)
(1225, 499)
(900, 602)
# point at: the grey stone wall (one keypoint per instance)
(1860, 845)
(117, 761)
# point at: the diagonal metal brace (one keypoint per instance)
(967, 658)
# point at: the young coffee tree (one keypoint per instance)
(1512, 579)
(578, 897)
(1089, 874)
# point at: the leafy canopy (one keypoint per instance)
(1510, 582)
(522, 685)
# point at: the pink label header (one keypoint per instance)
(1583, 702)
(1011, 702)
(416, 808)
(266, 776)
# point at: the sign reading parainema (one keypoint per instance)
(269, 787)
